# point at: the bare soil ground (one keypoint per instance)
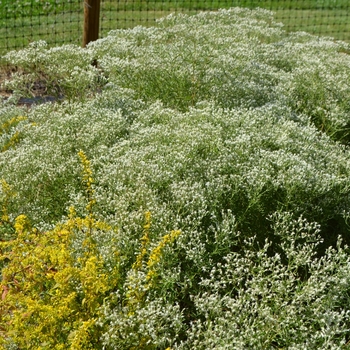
(38, 90)
(5, 74)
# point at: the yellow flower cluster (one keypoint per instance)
(138, 288)
(144, 242)
(48, 297)
(156, 254)
(11, 142)
(21, 223)
(87, 180)
(7, 195)
(5, 127)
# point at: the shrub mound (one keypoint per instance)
(190, 191)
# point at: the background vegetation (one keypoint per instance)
(188, 188)
(60, 22)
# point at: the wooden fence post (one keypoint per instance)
(91, 20)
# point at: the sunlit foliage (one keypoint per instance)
(188, 189)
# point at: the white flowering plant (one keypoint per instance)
(213, 207)
(60, 72)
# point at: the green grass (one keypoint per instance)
(19, 8)
(55, 29)
(58, 22)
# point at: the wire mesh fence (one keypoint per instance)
(61, 21)
(25, 21)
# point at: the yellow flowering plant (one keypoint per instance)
(51, 296)
(6, 196)
(50, 299)
(12, 138)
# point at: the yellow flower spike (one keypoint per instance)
(137, 288)
(144, 242)
(12, 142)
(21, 223)
(5, 187)
(8, 193)
(147, 225)
(71, 212)
(103, 226)
(135, 293)
(5, 127)
(156, 253)
(4, 216)
(87, 180)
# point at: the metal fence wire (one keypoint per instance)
(61, 21)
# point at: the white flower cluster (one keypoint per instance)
(65, 71)
(221, 125)
(268, 305)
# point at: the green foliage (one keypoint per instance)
(228, 130)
